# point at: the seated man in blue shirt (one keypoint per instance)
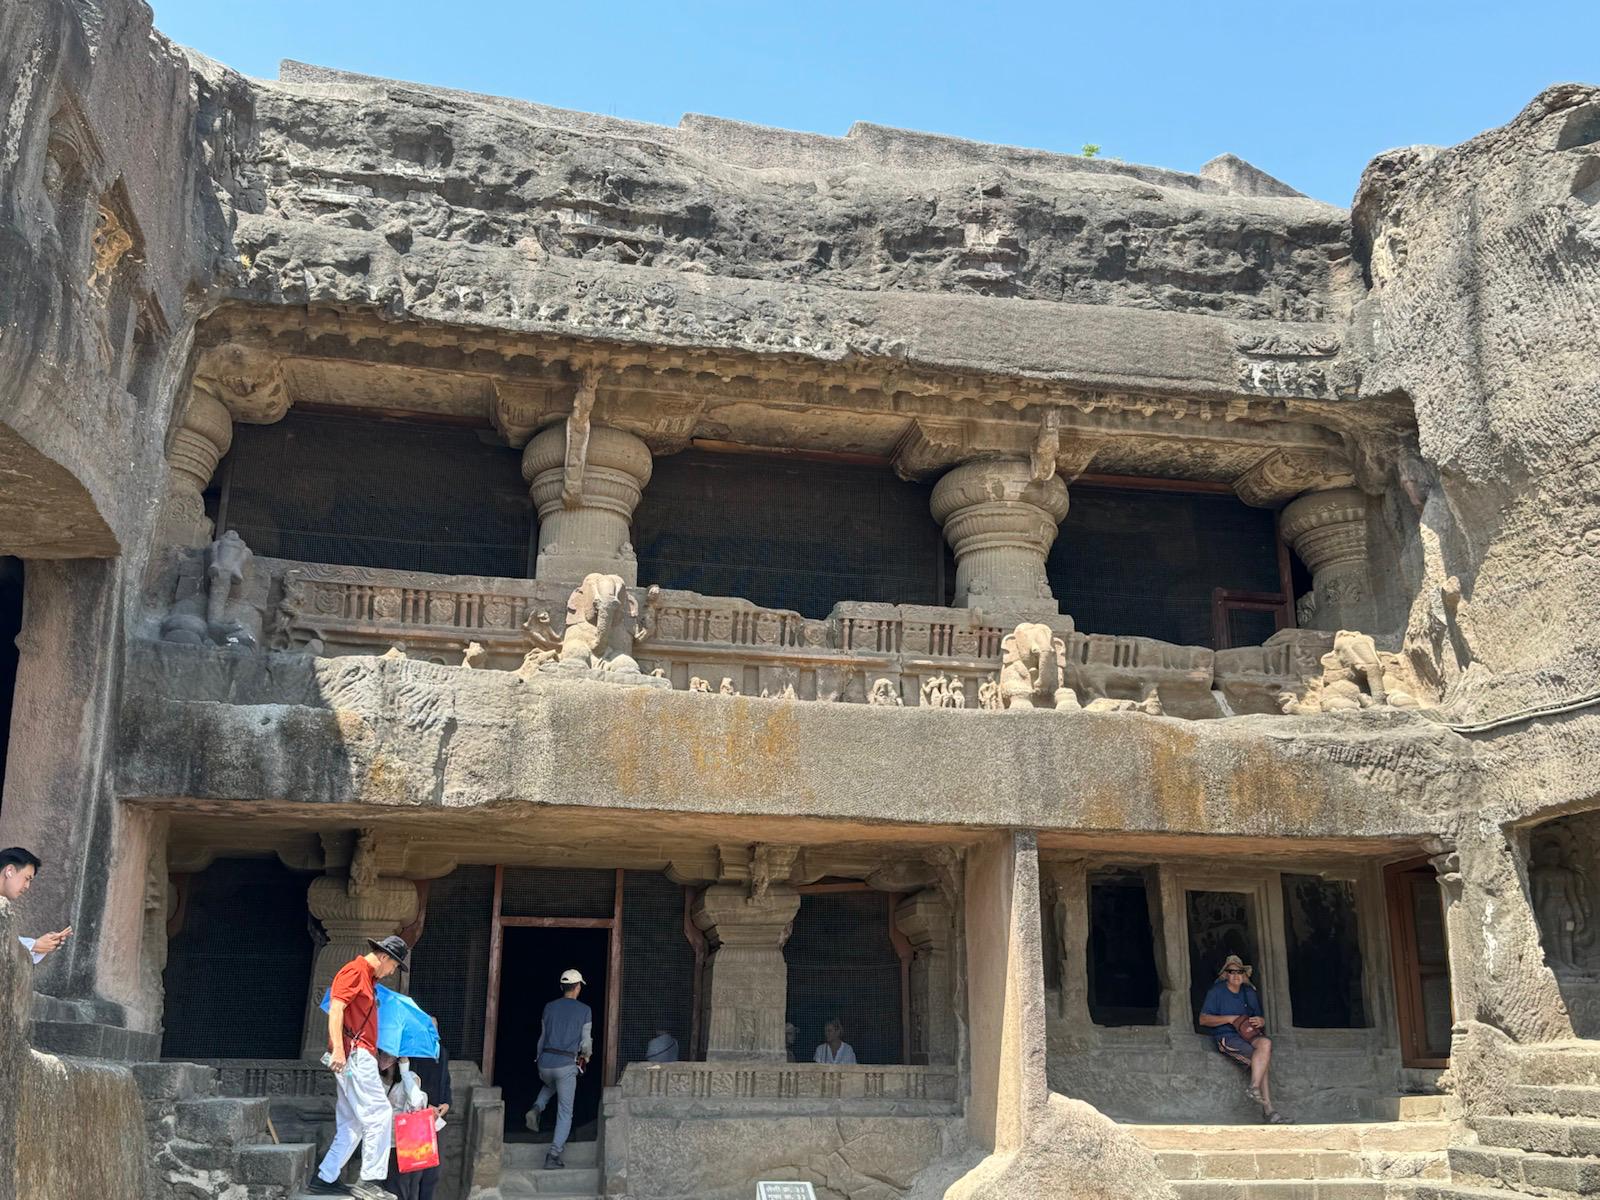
(1232, 1015)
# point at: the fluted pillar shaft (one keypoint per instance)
(747, 980)
(1001, 523)
(1328, 530)
(585, 496)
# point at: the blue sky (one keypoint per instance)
(1307, 92)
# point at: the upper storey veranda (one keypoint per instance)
(917, 250)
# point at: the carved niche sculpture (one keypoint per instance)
(604, 622)
(940, 691)
(989, 694)
(727, 688)
(213, 609)
(1033, 669)
(698, 684)
(1355, 675)
(885, 693)
(1560, 901)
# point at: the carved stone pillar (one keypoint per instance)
(928, 924)
(1066, 899)
(585, 482)
(202, 438)
(1328, 530)
(1001, 522)
(747, 980)
(374, 910)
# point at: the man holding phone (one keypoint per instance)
(17, 869)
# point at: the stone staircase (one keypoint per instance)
(1549, 1144)
(1365, 1161)
(205, 1144)
(523, 1177)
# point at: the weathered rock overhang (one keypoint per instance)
(215, 732)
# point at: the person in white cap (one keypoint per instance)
(566, 1043)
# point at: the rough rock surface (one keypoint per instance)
(97, 1103)
(1072, 1151)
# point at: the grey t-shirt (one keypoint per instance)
(565, 1032)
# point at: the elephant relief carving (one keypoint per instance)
(604, 622)
(1033, 671)
(222, 605)
(1355, 674)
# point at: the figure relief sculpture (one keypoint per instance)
(1355, 675)
(475, 656)
(604, 622)
(940, 691)
(727, 688)
(214, 610)
(1560, 902)
(700, 685)
(989, 694)
(885, 693)
(1033, 670)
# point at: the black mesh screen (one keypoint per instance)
(373, 493)
(787, 534)
(1124, 988)
(1325, 971)
(538, 892)
(450, 963)
(658, 965)
(239, 971)
(1144, 564)
(842, 963)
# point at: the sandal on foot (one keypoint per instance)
(1254, 1093)
(1277, 1118)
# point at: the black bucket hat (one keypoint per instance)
(394, 946)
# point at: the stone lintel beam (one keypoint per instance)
(1001, 523)
(583, 523)
(1328, 530)
(1284, 474)
(934, 444)
(747, 980)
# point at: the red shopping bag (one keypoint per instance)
(416, 1143)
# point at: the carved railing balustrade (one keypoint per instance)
(911, 655)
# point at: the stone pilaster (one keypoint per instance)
(1001, 523)
(1328, 530)
(1066, 900)
(375, 910)
(198, 444)
(585, 482)
(928, 924)
(747, 980)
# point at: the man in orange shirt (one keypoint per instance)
(362, 1108)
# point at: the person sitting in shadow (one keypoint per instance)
(834, 1051)
(1232, 1016)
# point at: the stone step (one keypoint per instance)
(572, 1182)
(1570, 1062)
(1566, 1100)
(1520, 1171)
(1544, 1135)
(531, 1154)
(1289, 1189)
(1460, 1191)
(1305, 1166)
(1431, 1107)
(1403, 1136)
(286, 1166)
(175, 1080)
(222, 1120)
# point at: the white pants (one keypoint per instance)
(364, 1116)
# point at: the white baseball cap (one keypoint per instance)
(571, 976)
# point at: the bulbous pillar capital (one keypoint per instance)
(1328, 530)
(203, 436)
(585, 495)
(1001, 523)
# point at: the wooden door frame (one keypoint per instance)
(499, 923)
(1409, 1013)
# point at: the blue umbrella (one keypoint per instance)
(404, 1030)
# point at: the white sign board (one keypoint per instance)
(785, 1191)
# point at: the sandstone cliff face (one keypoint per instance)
(1483, 263)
